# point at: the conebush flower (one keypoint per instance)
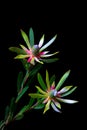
(51, 94)
(48, 94)
(34, 52)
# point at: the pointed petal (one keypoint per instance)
(44, 52)
(26, 39)
(38, 60)
(31, 36)
(31, 60)
(17, 50)
(47, 106)
(49, 54)
(41, 41)
(40, 90)
(25, 49)
(69, 92)
(65, 89)
(57, 104)
(55, 108)
(41, 81)
(21, 56)
(62, 79)
(47, 80)
(46, 100)
(67, 101)
(36, 95)
(49, 43)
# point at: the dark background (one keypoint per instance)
(63, 19)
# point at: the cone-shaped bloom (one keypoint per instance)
(34, 52)
(52, 95)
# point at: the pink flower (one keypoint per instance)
(34, 52)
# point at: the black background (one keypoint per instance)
(63, 19)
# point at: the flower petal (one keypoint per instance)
(49, 54)
(21, 56)
(47, 106)
(41, 41)
(40, 90)
(26, 39)
(67, 101)
(38, 60)
(69, 92)
(36, 95)
(55, 108)
(25, 49)
(57, 104)
(62, 79)
(49, 43)
(65, 89)
(47, 80)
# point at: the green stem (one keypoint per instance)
(25, 79)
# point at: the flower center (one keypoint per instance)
(35, 50)
(53, 93)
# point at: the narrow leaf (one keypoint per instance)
(31, 101)
(50, 60)
(12, 105)
(19, 80)
(36, 95)
(31, 36)
(26, 39)
(6, 112)
(40, 90)
(19, 117)
(47, 79)
(62, 80)
(39, 106)
(17, 50)
(52, 79)
(41, 81)
(22, 93)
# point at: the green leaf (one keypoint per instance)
(19, 117)
(41, 81)
(36, 95)
(50, 60)
(6, 112)
(31, 36)
(47, 79)
(52, 79)
(62, 80)
(31, 101)
(26, 39)
(22, 93)
(69, 92)
(2, 124)
(17, 50)
(35, 69)
(25, 64)
(12, 105)
(39, 106)
(40, 90)
(19, 80)
(20, 56)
